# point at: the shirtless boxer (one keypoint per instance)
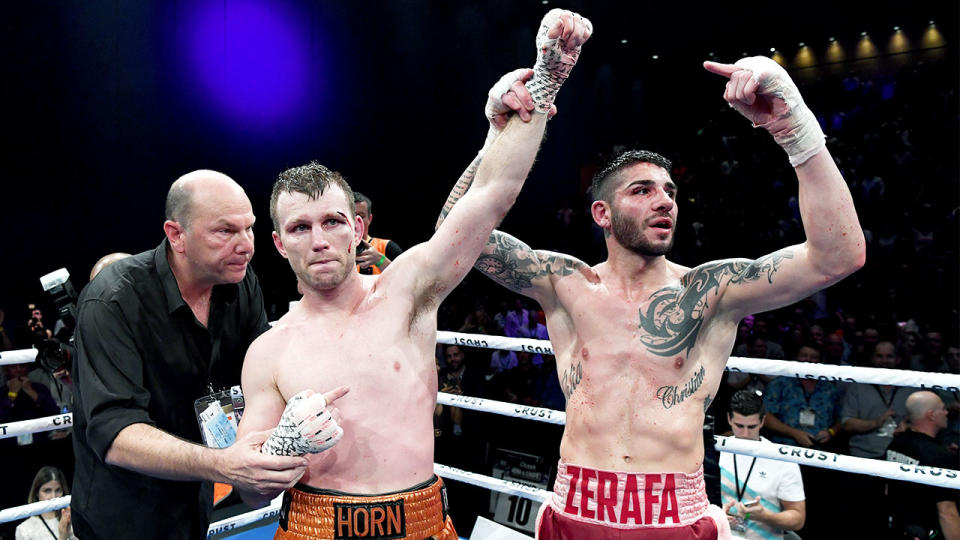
(641, 342)
(372, 338)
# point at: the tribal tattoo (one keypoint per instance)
(674, 316)
(673, 395)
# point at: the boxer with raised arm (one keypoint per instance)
(372, 338)
(641, 342)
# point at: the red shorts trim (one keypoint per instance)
(591, 503)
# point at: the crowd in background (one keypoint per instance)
(893, 140)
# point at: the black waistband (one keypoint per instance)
(317, 491)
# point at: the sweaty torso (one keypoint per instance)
(638, 369)
(387, 361)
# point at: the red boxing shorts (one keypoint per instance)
(607, 505)
(417, 513)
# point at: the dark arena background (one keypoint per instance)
(106, 103)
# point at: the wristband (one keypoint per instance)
(831, 431)
(746, 516)
(382, 258)
(12, 395)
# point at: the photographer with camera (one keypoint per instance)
(37, 331)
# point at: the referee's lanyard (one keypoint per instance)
(736, 477)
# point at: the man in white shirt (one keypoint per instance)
(761, 497)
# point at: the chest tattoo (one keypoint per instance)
(674, 316)
(571, 378)
(673, 395)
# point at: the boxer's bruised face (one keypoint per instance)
(643, 210)
(318, 236)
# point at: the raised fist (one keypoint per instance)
(561, 35)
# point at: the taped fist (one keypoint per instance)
(308, 425)
(762, 91)
(561, 35)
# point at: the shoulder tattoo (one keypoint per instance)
(674, 316)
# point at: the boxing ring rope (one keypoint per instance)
(948, 478)
(19, 356)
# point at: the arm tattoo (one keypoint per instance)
(673, 318)
(514, 265)
(673, 395)
(511, 263)
(459, 189)
(571, 378)
(559, 265)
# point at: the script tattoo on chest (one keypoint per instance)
(674, 316)
(673, 395)
(571, 378)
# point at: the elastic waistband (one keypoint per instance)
(418, 512)
(629, 499)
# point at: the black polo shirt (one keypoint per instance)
(913, 503)
(142, 357)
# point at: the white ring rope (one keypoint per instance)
(36, 425)
(241, 520)
(19, 356)
(762, 366)
(948, 478)
(33, 509)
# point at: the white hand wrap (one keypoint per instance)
(555, 61)
(495, 106)
(306, 427)
(793, 125)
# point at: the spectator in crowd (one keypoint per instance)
(932, 358)
(380, 252)
(519, 385)
(919, 510)
(835, 351)
(502, 360)
(534, 330)
(803, 412)
(761, 497)
(49, 483)
(22, 399)
(478, 321)
(756, 348)
(806, 412)
(817, 334)
(870, 413)
(60, 385)
(515, 318)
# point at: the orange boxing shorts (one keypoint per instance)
(417, 513)
(608, 505)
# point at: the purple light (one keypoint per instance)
(249, 59)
